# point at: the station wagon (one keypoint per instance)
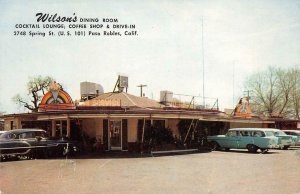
(245, 138)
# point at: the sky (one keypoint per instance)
(240, 38)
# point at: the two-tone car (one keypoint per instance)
(294, 133)
(285, 140)
(33, 143)
(245, 138)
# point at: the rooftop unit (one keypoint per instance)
(166, 96)
(89, 90)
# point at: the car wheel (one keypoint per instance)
(263, 150)
(214, 146)
(285, 147)
(252, 148)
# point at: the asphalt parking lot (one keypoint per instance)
(236, 171)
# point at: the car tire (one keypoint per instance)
(285, 147)
(252, 148)
(214, 146)
(263, 151)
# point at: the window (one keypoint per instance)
(246, 133)
(11, 136)
(269, 133)
(232, 133)
(258, 134)
(277, 133)
(41, 134)
(26, 135)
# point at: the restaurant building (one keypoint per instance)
(118, 120)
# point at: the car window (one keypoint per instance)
(8, 136)
(292, 133)
(269, 133)
(246, 133)
(258, 134)
(11, 136)
(232, 133)
(279, 133)
(41, 134)
(26, 135)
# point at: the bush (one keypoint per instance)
(157, 136)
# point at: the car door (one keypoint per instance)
(29, 137)
(245, 138)
(232, 139)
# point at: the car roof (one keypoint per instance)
(254, 129)
(23, 130)
(297, 131)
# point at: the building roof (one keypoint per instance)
(122, 99)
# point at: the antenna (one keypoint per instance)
(203, 65)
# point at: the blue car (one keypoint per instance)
(245, 138)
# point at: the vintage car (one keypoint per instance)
(245, 138)
(33, 143)
(293, 133)
(285, 140)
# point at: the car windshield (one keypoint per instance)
(279, 133)
(32, 134)
(8, 135)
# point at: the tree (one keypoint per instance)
(36, 88)
(275, 92)
(295, 93)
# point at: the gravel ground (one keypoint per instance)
(236, 171)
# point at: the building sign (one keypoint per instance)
(56, 99)
(243, 109)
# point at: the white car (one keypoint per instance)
(294, 133)
(285, 140)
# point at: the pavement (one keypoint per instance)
(236, 171)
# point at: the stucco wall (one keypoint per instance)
(132, 129)
(99, 129)
(17, 123)
(92, 127)
(246, 125)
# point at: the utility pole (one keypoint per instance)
(248, 93)
(141, 86)
(203, 72)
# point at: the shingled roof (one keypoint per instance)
(122, 99)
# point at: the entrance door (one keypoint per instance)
(115, 135)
